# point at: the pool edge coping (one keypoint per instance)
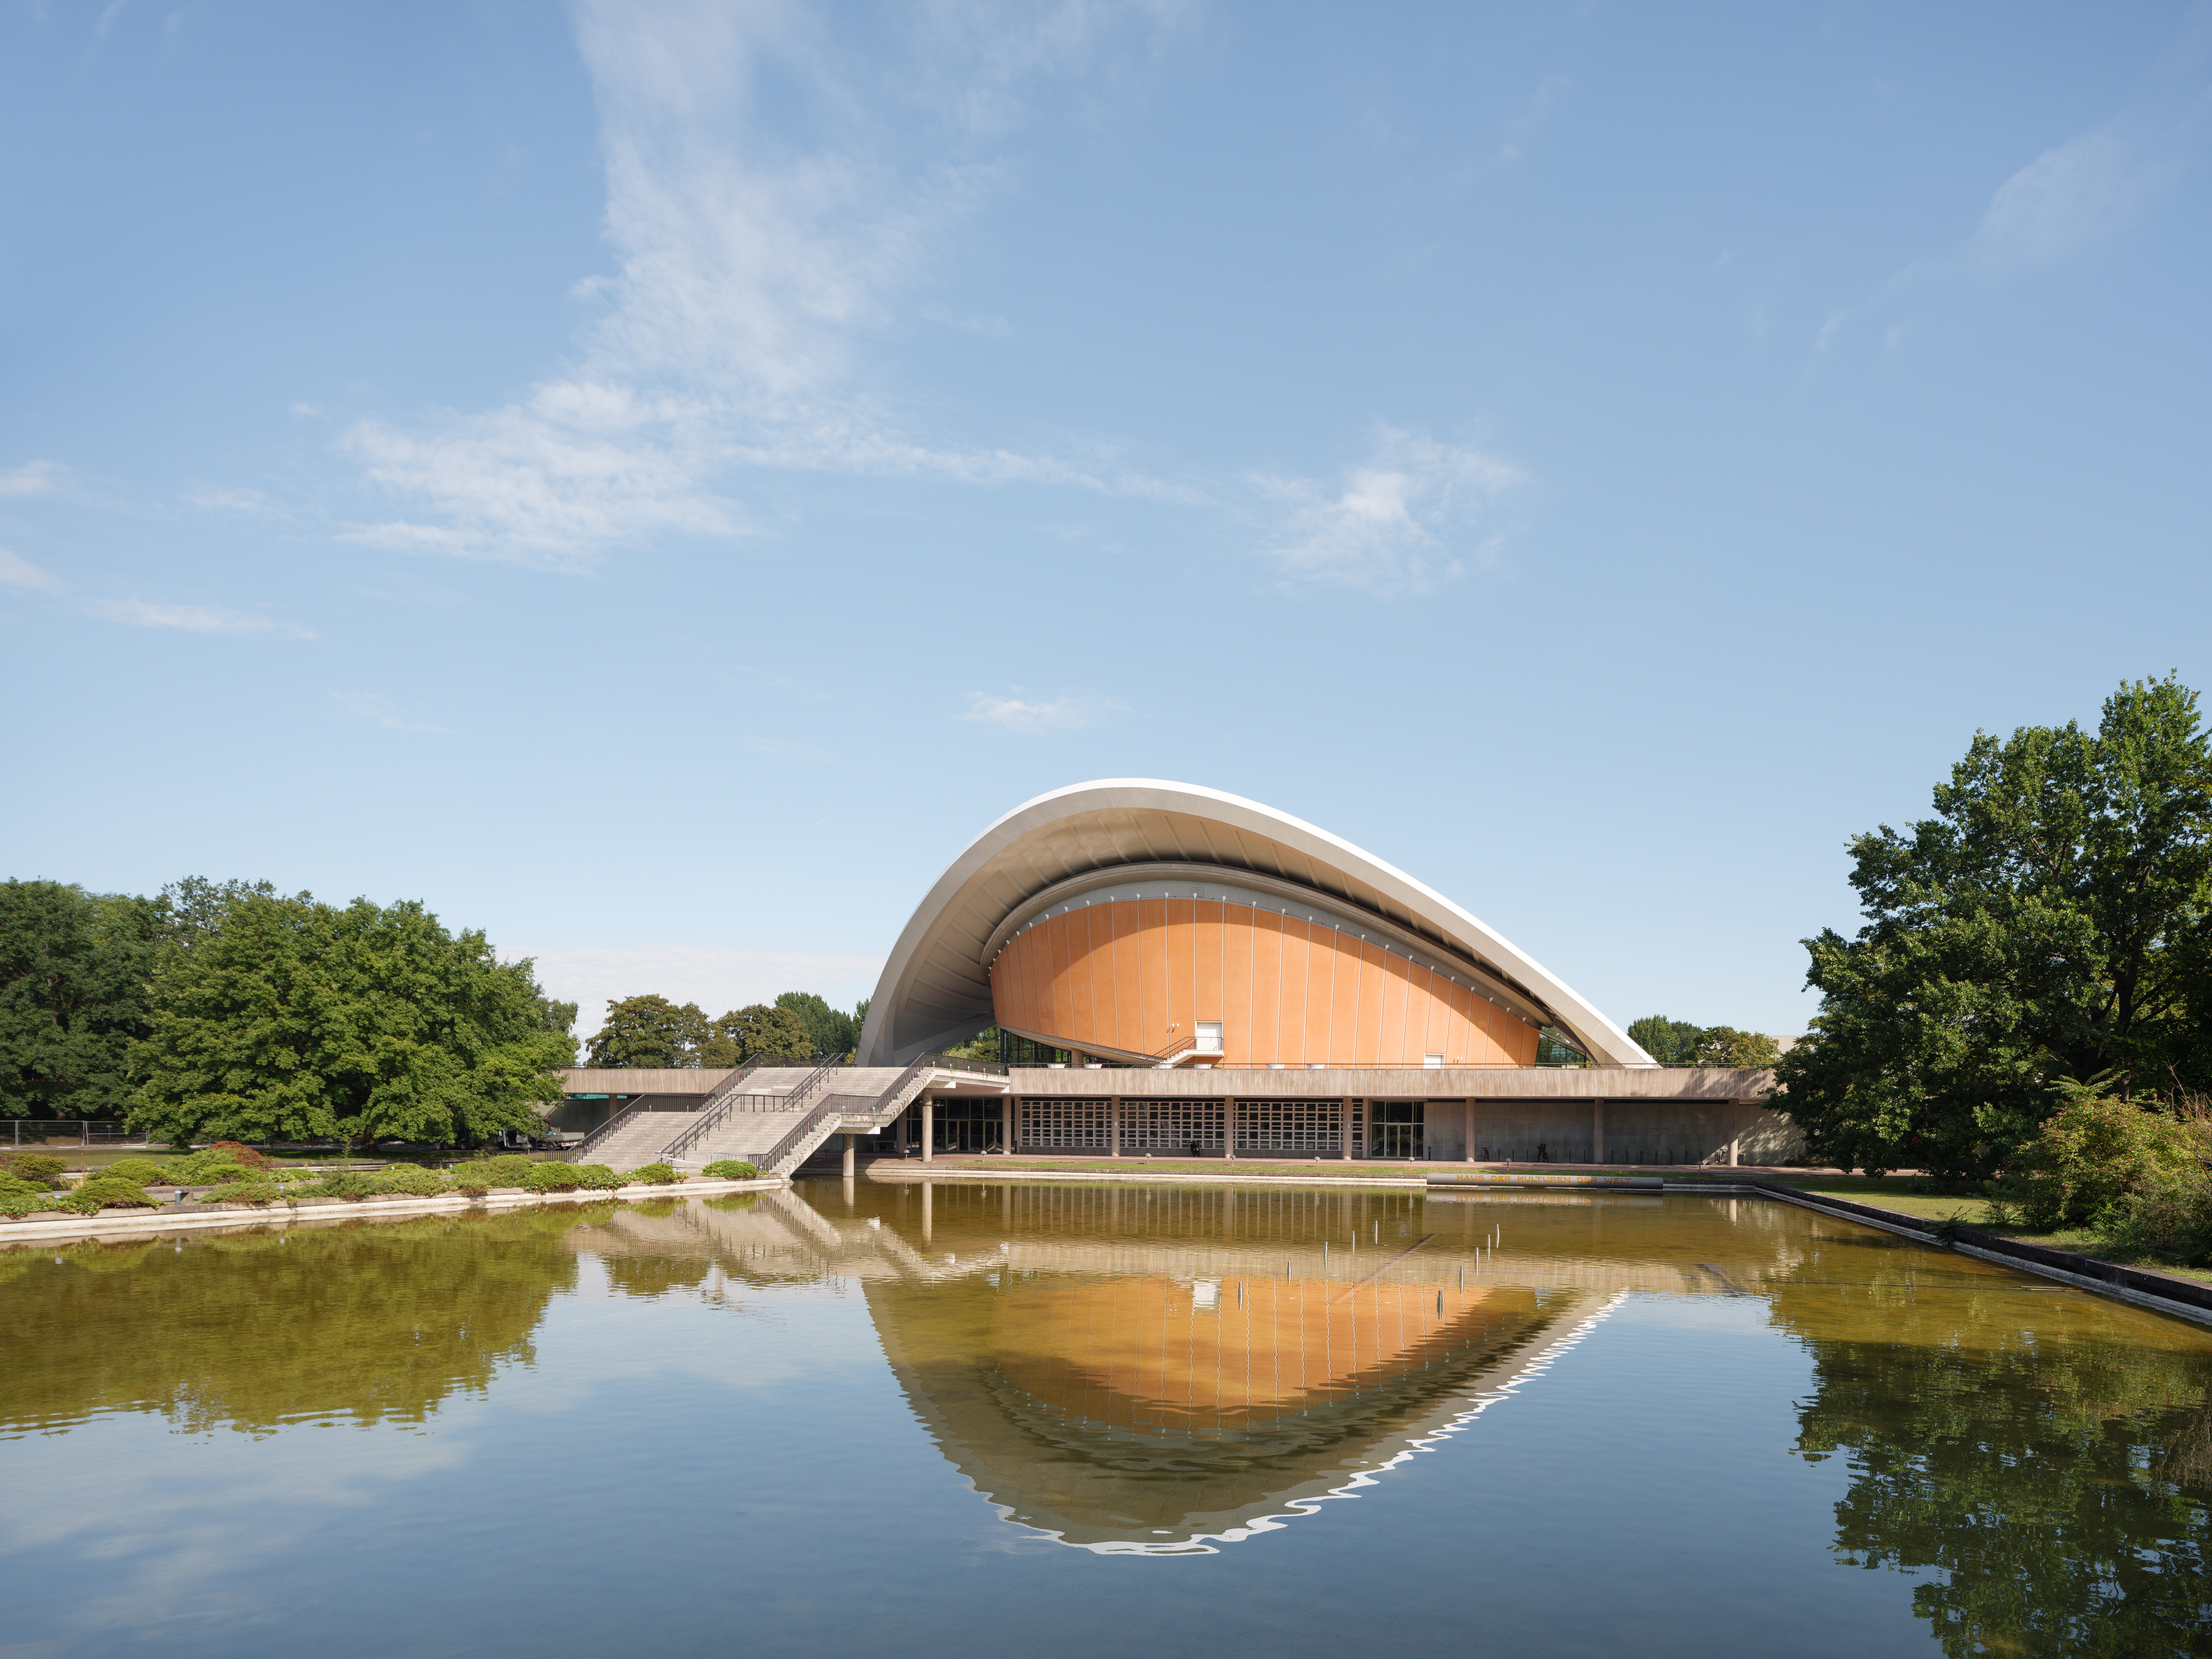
(152, 1221)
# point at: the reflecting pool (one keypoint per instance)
(950, 1418)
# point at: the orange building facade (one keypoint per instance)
(1240, 979)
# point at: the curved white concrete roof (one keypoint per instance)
(936, 989)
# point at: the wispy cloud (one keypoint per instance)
(252, 503)
(1410, 517)
(990, 326)
(17, 571)
(31, 478)
(379, 710)
(2073, 194)
(191, 618)
(749, 275)
(1034, 716)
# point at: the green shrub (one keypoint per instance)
(107, 1192)
(2091, 1153)
(730, 1169)
(553, 1178)
(139, 1171)
(657, 1175)
(595, 1177)
(510, 1170)
(411, 1179)
(248, 1191)
(243, 1155)
(345, 1184)
(205, 1168)
(2169, 1217)
(36, 1168)
(22, 1198)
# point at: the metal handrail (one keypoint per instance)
(963, 1063)
(771, 1159)
(708, 1122)
(606, 1129)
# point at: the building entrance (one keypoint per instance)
(963, 1126)
(1399, 1129)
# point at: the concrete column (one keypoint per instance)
(1114, 1126)
(1597, 1132)
(1006, 1123)
(928, 1140)
(1735, 1133)
(852, 1163)
(1467, 1118)
(1344, 1129)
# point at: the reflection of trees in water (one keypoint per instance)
(2048, 1457)
(376, 1321)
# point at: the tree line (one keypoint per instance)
(231, 1011)
(651, 1030)
(2040, 945)
(1678, 1042)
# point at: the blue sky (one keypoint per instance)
(652, 481)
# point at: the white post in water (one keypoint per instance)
(928, 1133)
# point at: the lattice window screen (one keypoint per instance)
(1289, 1125)
(1061, 1123)
(1162, 1125)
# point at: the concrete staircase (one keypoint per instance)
(637, 1139)
(756, 1120)
(751, 1131)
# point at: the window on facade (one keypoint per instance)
(1209, 1041)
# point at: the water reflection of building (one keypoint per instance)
(1138, 1369)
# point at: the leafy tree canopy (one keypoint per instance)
(293, 1019)
(74, 996)
(760, 1031)
(649, 1030)
(1678, 1042)
(1667, 1040)
(2049, 923)
(830, 1030)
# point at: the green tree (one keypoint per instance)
(1678, 1042)
(830, 1029)
(2050, 923)
(1667, 1040)
(650, 1030)
(758, 1032)
(1725, 1046)
(296, 1020)
(75, 968)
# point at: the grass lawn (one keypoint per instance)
(1913, 1196)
